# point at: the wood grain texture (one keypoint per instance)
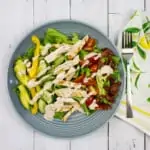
(15, 22)
(147, 142)
(94, 13)
(43, 142)
(123, 136)
(114, 28)
(124, 6)
(46, 11)
(147, 5)
(94, 141)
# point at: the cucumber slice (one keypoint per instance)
(42, 66)
(47, 97)
(59, 61)
(41, 106)
(24, 96)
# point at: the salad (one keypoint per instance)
(59, 75)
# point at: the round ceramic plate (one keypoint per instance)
(78, 124)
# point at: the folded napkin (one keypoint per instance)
(139, 26)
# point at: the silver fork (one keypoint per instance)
(127, 53)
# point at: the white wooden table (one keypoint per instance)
(17, 18)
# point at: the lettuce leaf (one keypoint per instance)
(54, 36)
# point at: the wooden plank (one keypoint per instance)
(147, 142)
(123, 136)
(16, 21)
(49, 10)
(45, 11)
(147, 4)
(43, 142)
(94, 141)
(94, 13)
(124, 6)
(114, 28)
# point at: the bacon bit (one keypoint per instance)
(90, 44)
(106, 52)
(103, 107)
(81, 62)
(93, 59)
(110, 98)
(91, 82)
(89, 101)
(79, 79)
(94, 67)
(114, 88)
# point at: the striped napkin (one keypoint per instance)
(139, 26)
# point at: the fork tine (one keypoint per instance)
(127, 40)
(123, 39)
(130, 40)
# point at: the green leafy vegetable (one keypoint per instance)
(134, 43)
(59, 115)
(146, 26)
(148, 85)
(148, 99)
(85, 108)
(59, 86)
(78, 99)
(141, 52)
(136, 80)
(105, 101)
(29, 53)
(82, 54)
(116, 75)
(54, 36)
(132, 30)
(100, 82)
(16, 90)
(116, 59)
(104, 59)
(78, 72)
(75, 38)
(52, 49)
(87, 71)
(97, 49)
(106, 83)
(54, 97)
(135, 66)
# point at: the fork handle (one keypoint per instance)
(128, 93)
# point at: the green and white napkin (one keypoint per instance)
(139, 26)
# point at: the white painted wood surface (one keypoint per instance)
(18, 17)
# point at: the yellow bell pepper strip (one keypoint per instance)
(34, 108)
(33, 70)
(33, 92)
(38, 88)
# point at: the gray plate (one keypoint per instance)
(78, 124)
